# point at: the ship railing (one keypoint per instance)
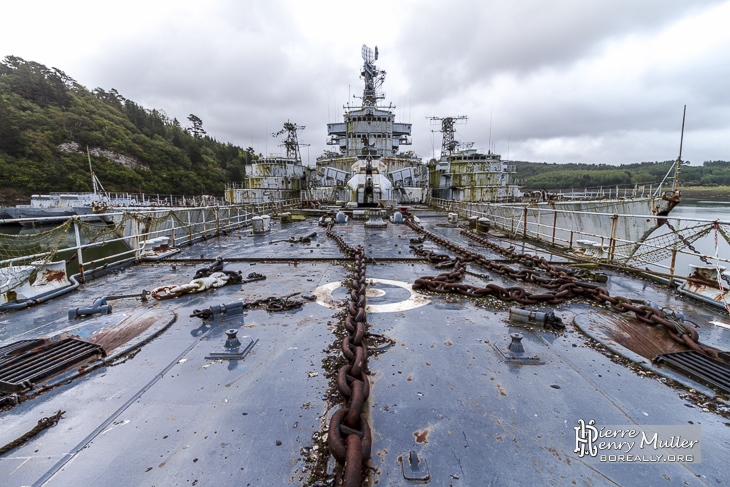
(608, 237)
(157, 199)
(124, 237)
(625, 191)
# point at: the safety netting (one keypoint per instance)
(659, 247)
(33, 248)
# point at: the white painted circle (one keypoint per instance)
(324, 297)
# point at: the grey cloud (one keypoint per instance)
(533, 73)
(465, 41)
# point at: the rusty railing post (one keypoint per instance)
(671, 268)
(190, 228)
(217, 222)
(524, 227)
(612, 240)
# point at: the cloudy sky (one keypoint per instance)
(599, 81)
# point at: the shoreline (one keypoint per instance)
(706, 192)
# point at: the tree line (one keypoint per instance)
(545, 175)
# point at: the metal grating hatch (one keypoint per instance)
(701, 368)
(22, 371)
(17, 347)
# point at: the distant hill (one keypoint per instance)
(536, 175)
(47, 120)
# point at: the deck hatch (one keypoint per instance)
(23, 371)
(698, 367)
(18, 347)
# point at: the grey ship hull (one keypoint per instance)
(48, 216)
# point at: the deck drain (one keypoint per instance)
(22, 371)
(19, 347)
(698, 367)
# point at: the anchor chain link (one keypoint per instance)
(43, 423)
(349, 437)
(560, 287)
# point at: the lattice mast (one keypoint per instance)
(449, 144)
(291, 142)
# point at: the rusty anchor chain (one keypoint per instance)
(43, 423)
(216, 266)
(349, 437)
(274, 303)
(253, 277)
(271, 304)
(535, 261)
(560, 288)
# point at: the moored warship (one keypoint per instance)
(274, 350)
(368, 169)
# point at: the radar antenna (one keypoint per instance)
(449, 144)
(291, 143)
(373, 77)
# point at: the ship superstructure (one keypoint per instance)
(273, 178)
(369, 168)
(464, 174)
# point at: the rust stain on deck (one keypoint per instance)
(422, 436)
(115, 336)
(50, 276)
(647, 341)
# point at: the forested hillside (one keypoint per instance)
(535, 175)
(47, 120)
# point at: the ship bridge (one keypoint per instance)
(369, 131)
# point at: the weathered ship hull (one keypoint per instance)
(601, 225)
(48, 216)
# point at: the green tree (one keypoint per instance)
(10, 141)
(197, 128)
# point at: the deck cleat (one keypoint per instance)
(414, 467)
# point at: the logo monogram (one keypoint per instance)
(585, 436)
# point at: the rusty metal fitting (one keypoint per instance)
(232, 341)
(515, 345)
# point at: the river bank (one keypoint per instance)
(721, 193)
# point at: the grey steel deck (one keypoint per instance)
(169, 416)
